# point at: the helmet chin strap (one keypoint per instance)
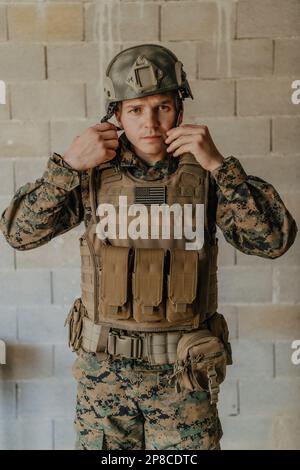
(110, 112)
(178, 119)
(179, 107)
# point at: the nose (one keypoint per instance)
(151, 119)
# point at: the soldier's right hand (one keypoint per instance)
(96, 145)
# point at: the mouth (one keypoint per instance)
(154, 137)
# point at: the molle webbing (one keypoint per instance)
(149, 285)
(148, 289)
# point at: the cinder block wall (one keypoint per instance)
(241, 58)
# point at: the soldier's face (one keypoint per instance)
(146, 121)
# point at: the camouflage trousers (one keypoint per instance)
(129, 404)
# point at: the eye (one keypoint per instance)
(164, 107)
(135, 110)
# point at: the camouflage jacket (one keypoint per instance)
(248, 210)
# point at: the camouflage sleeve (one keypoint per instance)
(42, 210)
(250, 212)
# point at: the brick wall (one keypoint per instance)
(241, 58)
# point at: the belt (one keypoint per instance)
(157, 348)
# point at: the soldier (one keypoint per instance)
(145, 302)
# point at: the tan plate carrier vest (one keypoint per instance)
(153, 285)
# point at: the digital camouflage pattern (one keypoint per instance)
(129, 404)
(118, 398)
(248, 210)
(140, 169)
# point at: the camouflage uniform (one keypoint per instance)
(128, 403)
(248, 210)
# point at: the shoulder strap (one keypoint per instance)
(84, 183)
(189, 164)
(94, 180)
(92, 174)
(188, 159)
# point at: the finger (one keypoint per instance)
(183, 149)
(178, 131)
(109, 134)
(187, 129)
(111, 143)
(103, 126)
(187, 126)
(196, 126)
(184, 139)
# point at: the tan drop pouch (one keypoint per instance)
(201, 363)
(182, 284)
(147, 285)
(217, 324)
(115, 298)
(74, 321)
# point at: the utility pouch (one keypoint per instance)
(75, 322)
(182, 284)
(201, 363)
(114, 299)
(147, 285)
(218, 327)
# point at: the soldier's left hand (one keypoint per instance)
(197, 140)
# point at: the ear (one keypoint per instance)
(118, 117)
(117, 114)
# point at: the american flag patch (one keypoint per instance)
(148, 195)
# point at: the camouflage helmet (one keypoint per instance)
(143, 70)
